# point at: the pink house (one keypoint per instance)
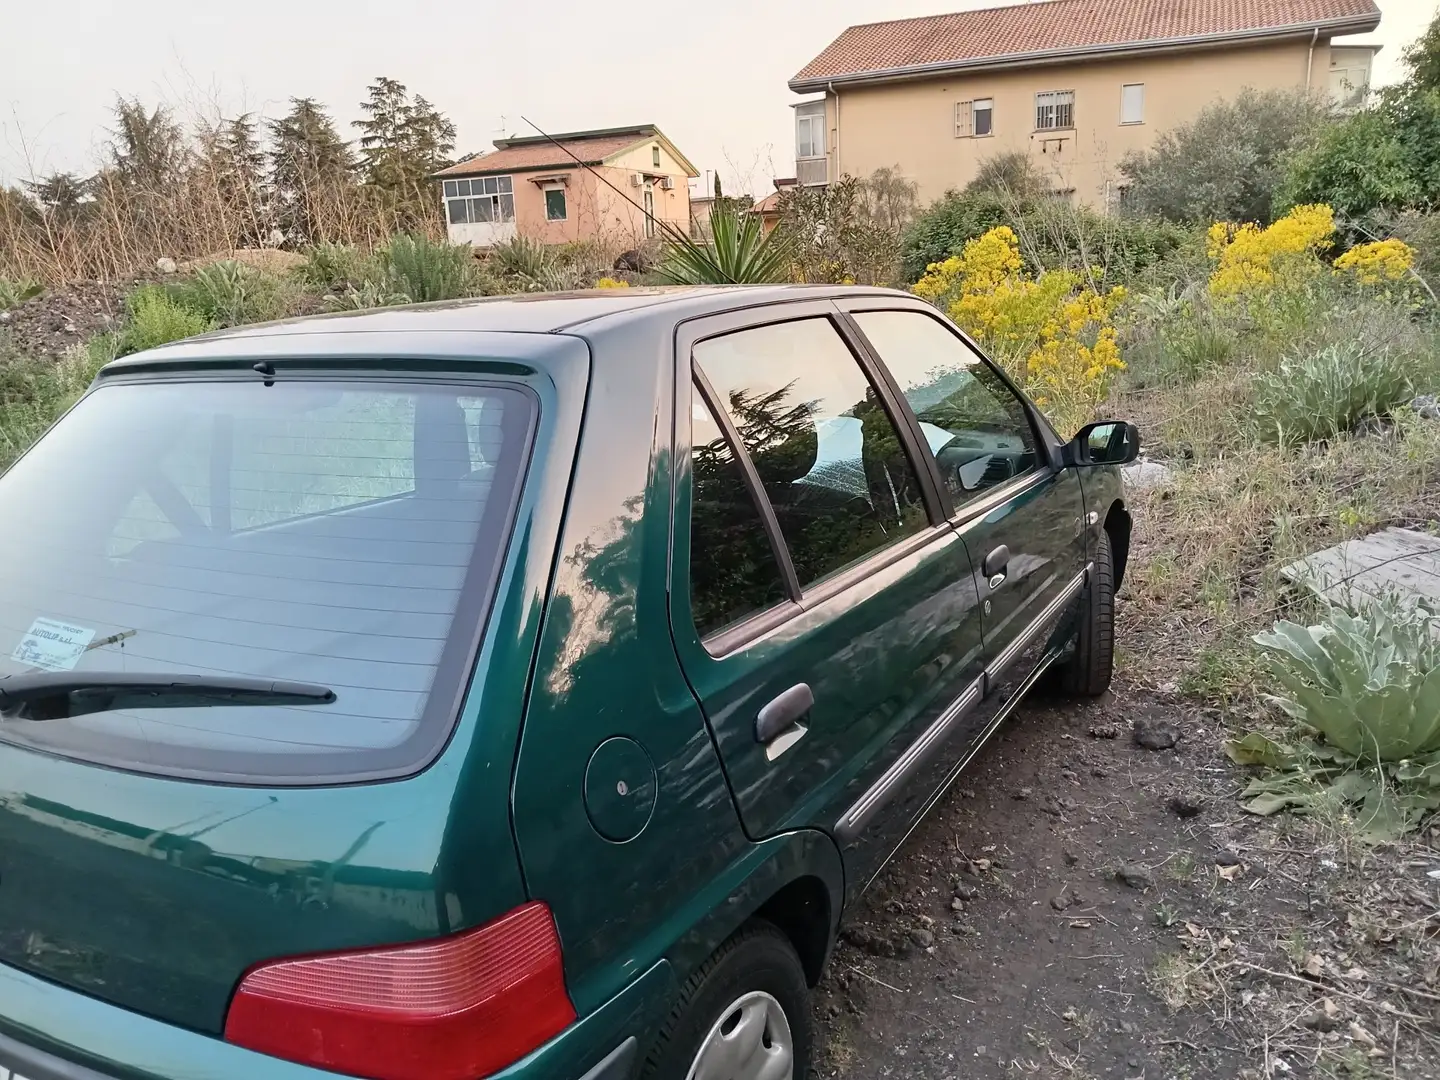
(556, 194)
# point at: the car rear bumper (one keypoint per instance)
(50, 1033)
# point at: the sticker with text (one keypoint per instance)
(53, 645)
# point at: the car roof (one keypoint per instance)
(538, 313)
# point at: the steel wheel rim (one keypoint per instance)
(750, 1041)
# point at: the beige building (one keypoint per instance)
(1074, 84)
(612, 186)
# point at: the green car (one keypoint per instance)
(519, 688)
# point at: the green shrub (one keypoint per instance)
(15, 293)
(229, 293)
(157, 318)
(425, 270)
(946, 226)
(1325, 393)
(336, 266)
(522, 258)
(739, 252)
(369, 294)
(34, 393)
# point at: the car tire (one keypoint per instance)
(1087, 673)
(754, 980)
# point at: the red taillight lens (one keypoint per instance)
(454, 1009)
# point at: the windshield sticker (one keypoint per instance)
(52, 645)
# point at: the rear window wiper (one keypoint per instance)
(59, 695)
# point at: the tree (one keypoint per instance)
(403, 143)
(890, 199)
(237, 164)
(148, 150)
(309, 164)
(1228, 163)
(1422, 59)
(1013, 174)
(60, 195)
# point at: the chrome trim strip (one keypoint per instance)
(1027, 637)
(854, 820)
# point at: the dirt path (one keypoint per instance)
(1081, 906)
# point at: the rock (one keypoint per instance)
(956, 904)
(1071, 858)
(1022, 794)
(1155, 734)
(4, 316)
(1145, 474)
(633, 261)
(1060, 902)
(965, 892)
(923, 938)
(1105, 731)
(1226, 858)
(1127, 1028)
(869, 942)
(967, 793)
(1186, 806)
(166, 265)
(1427, 406)
(1136, 876)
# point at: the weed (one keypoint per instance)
(425, 270)
(1329, 392)
(229, 293)
(34, 393)
(1181, 868)
(336, 267)
(1166, 915)
(157, 318)
(15, 293)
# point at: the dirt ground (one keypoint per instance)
(1081, 906)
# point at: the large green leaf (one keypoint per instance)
(1255, 749)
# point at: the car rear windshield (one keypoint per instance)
(343, 534)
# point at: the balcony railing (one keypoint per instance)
(812, 172)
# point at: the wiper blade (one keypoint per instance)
(59, 695)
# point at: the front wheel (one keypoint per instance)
(745, 1015)
(1087, 673)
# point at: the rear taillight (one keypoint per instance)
(452, 1009)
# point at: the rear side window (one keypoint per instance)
(346, 535)
(828, 455)
(733, 572)
(976, 427)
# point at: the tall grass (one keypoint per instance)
(424, 270)
(34, 393)
(158, 318)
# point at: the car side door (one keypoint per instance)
(823, 609)
(999, 470)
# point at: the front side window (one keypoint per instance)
(1055, 110)
(342, 535)
(810, 134)
(733, 570)
(1132, 103)
(555, 204)
(975, 426)
(975, 119)
(483, 200)
(827, 453)
(649, 210)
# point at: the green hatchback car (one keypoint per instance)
(517, 688)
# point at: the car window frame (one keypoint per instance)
(688, 333)
(1047, 442)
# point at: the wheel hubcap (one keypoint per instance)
(750, 1041)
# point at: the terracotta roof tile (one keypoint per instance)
(974, 37)
(544, 155)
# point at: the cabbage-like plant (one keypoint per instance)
(1328, 392)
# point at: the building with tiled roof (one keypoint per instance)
(1076, 84)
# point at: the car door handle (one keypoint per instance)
(778, 725)
(996, 566)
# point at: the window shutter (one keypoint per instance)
(964, 119)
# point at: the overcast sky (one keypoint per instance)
(711, 76)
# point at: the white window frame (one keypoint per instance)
(1051, 102)
(1127, 99)
(565, 197)
(965, 113)
(648, 203)
(812, 119)
(467, 191)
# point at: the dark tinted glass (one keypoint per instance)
(314, 532)
(827, 452)
(733, 572)
(975, 425)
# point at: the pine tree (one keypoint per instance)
(403, 143)
(237, 163)
(310, 164)
(147, 150)
(60, 195)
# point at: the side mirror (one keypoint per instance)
(1110, 442)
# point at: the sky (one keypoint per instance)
(711, 76)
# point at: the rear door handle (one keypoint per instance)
(778, 726)
(996, 566)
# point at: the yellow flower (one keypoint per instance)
(611, 283)
(1378, 262)
(1251, 262)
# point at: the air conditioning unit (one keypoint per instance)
(667, 183)
(636, 179)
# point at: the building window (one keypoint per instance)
(1132, 103)
(1055, 110)
(555, 204)
(483, 200)
(649, 210)
(810, 133)
(655, 156)
(974, 119)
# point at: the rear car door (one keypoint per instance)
(997, 463)
(824, 611)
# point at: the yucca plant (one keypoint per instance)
(739, 252)
(522, 258)
(1328, 392)
(425, 270)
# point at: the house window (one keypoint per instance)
(483, 200)
(974, 119)
(1055, 110)
(555, 204)
(1132, 103)
(655, 156)
(649, 210)
(810, 133)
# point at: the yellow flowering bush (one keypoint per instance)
(1377, 263)
(611, 283)
(1055, 334)
(1252, 263)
